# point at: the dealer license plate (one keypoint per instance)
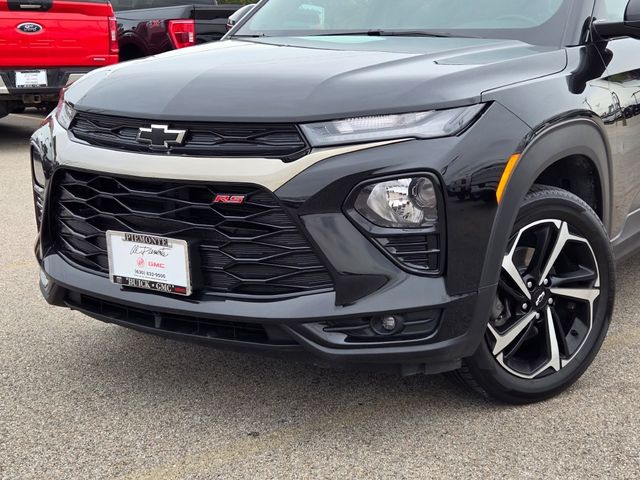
(35, 78)
(149, 262)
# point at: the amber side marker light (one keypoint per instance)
(506, 176)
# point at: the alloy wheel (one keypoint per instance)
(544, 309)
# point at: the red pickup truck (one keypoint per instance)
(48, 44)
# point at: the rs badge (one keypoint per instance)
(234, 199)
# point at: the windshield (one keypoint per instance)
(534, 21)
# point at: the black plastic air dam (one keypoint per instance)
(461, 327)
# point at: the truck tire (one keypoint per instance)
(4, 109)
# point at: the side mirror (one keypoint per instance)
(239, 15)
(629, 27)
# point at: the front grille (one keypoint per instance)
(173, 323)
(420, 253)
(282, 141)
(248, 249)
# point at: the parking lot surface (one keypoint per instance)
(81, 399)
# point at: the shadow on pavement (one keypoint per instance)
(15, 130)
(218, 381)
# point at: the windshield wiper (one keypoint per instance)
(370, 33)
(391, 33)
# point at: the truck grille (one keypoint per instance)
(283, 141)
(253, 248)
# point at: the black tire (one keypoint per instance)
(483, 372)
(4, 109)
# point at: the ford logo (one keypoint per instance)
(30, 27)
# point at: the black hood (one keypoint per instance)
(298, 79)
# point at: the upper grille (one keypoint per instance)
(248, 249)
(269, 140)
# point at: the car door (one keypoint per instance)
(623, 124)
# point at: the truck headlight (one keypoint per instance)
(65, 113)
(421, 125)
(410, 202)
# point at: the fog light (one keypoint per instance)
(402, 203)
(389, 324)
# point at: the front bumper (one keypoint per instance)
(291, 326)
(368, 283)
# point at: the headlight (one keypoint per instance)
(65, 113)
(39, 177)
(433, 124)
(401, 203)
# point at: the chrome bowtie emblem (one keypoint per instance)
(161, 137)
(540, 299)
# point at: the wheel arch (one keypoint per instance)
(132, 47)
(582, 138)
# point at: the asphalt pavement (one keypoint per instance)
(83, 400)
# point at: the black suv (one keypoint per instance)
(420, 185)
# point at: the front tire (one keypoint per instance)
(553, 305)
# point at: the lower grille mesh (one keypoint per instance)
(181, 324)
(417, 252)
(252, 248)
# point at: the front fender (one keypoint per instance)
(582, 136)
